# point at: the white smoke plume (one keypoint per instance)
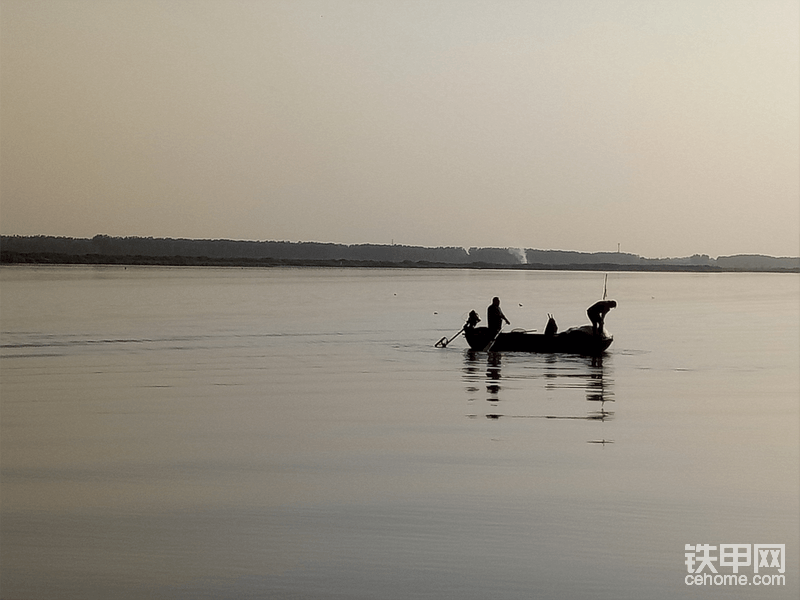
(519, 254)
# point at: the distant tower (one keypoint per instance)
(617, 247)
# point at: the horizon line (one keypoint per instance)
(465, 248)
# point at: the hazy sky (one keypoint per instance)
(667, 126)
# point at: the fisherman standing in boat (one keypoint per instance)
(597, 313)
(495, 316)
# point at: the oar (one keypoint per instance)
(494, 339)
(442, 343)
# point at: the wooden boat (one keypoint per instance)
(576, 340)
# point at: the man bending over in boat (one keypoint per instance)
(597, 314)
(495, 316)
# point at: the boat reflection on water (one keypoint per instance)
(538, 386)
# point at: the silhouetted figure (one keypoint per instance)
(597, 314)
(551, 328)
(473, 319)
(495, 316)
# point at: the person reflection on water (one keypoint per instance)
(495, 316)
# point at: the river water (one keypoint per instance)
(294, 433)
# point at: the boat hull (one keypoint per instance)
(578, 340)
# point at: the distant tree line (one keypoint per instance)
(148, 250)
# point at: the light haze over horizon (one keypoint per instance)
(668, 127)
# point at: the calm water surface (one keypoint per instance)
(293, 433)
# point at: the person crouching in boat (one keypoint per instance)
(597, 314)
(495, 316)
(473, 320)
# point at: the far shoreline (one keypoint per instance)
(57, 259)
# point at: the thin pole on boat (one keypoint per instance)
(605, 287)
